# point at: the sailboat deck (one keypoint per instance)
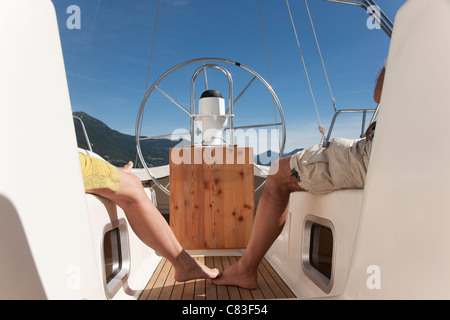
(162, 285)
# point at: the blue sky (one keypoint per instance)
(107, 60)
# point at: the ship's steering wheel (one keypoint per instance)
(215, 63)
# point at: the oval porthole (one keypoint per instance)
(116, 256)
(318, 251)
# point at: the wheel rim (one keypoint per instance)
(139, 119)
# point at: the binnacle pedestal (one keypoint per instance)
(212, 199)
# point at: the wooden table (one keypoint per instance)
(212, 200)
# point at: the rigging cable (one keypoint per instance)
(321, 129)
(321, 58)
(148, 72)
(268, 67)
(151, 50)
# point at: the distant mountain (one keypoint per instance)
(118, 148)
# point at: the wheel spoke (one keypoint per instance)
(257, 126)
(166, 136)
(173, 100)
(206, 77)
(242, 92)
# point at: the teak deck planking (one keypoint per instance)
(162, 285)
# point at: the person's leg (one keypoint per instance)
(150, 226)
(269, 221)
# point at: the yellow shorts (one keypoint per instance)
(98, 174)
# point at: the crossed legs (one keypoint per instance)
(269, 221)
(150, 226)
(153, 230)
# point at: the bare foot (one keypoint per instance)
(237, 276)
(127, 167)
(196, 271)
